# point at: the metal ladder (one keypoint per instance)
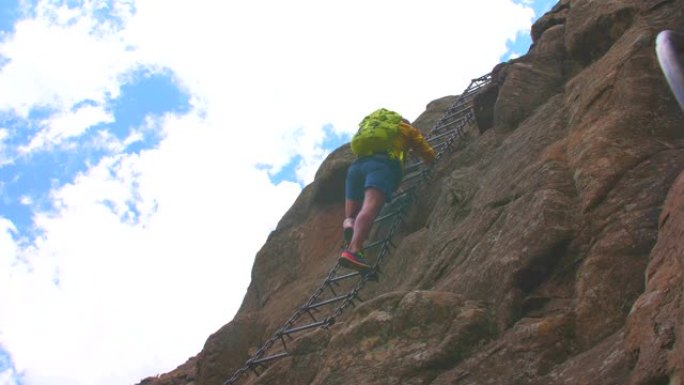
(342, 289)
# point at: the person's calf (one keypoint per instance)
(348, 229)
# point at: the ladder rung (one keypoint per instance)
(401, 195)
(413, 166)
(302, 328)
(469, 93)
(409, 184)
(456, 114)
(458, 110)
(343, 277)
(375, 244)
(458, 107)
(270, 358)
(327, 302)
(390, 215)
(440, 136)
(458, 118)
(412, 175)
(445, 125)
(441, 146)
(485, 77)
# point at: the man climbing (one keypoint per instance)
(380, 144)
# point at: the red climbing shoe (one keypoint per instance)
(354, 261)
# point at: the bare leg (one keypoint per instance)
(373, 200)
(351, 210)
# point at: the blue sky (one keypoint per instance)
(9, 13)
(147, 95)
(522, 41)
(132, 150)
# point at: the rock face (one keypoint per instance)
(548, 249)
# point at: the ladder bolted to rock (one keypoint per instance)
(342, 289)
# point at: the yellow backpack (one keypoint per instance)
(377, 133)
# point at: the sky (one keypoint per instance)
(148, 148)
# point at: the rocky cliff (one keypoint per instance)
(548, 248)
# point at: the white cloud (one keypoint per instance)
(65, 125)
(7, 244)
(55, 66)
(4, 157)
(147, 254)
(318, 62)
(138, 243)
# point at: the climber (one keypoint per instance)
(380, 144)
(670, 52)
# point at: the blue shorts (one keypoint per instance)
(379, 171)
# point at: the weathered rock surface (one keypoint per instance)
(548, 248)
